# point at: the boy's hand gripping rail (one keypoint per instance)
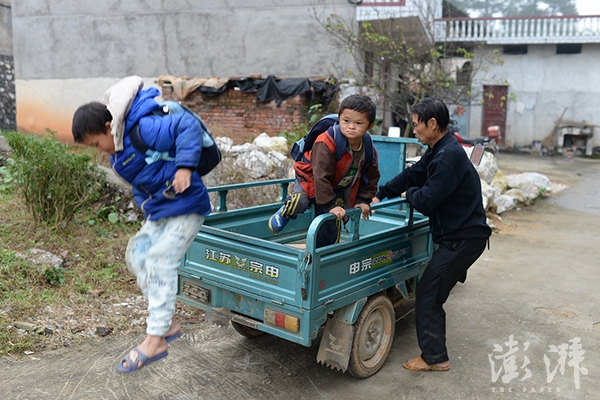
(354, 215)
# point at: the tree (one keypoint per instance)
(502, 8)
(398, 63)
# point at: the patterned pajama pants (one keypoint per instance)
(153, 255)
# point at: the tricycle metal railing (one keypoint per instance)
(224, 189)
(354, 216)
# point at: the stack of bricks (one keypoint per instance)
(241, 115)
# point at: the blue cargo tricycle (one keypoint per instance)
(239, 272)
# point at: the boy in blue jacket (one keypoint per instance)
(169, 192)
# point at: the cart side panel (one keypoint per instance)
(360, 269)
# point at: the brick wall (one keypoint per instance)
(240, 116)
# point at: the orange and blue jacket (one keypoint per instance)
(323, 167)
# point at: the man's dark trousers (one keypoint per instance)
(448, 265)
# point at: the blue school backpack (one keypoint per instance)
(210, 156)
(329, 121)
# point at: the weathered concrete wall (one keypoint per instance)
(85, 38)
(7, 74)
(49, 104)
(545, 83)
(7, 93)
(6, 47)
(86, 43)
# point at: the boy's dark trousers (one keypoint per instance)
(297, 203)
(448, 265)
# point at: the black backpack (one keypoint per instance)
(210, 156)
(329, 121)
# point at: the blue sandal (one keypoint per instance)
(136, 360)
(172, 337)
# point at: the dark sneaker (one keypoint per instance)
(277, 222)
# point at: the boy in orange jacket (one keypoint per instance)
(335, 182)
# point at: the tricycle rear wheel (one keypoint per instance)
(246, 330)
(373, 337)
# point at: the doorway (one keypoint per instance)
(494, 109)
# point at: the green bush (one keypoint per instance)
(6, 178)
(54, 182)
(315, 112)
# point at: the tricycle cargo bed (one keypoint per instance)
(243, 267)
(239, 271)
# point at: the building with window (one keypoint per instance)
(544, 88)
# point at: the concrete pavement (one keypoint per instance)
(523, 326)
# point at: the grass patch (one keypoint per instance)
(44, 296)
(47, 307)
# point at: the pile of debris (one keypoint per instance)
(502, 193)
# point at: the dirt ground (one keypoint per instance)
(523, 326)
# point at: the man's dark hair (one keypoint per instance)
(90, 119)
(431, 107)
(360, 103)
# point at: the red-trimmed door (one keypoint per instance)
(494, 109)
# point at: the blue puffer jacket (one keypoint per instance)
(175, 133)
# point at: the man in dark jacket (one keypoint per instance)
(444, 186)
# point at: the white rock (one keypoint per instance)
(490, 194)
(255, 164)
(223, 141)
(528, 192)
(518, 195)
(487, 167)
(505, 203)
(529, 178)
(241, 149)
(224, 144)
(42, 258)
(267, 143)
(277, 156)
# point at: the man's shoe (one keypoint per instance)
(277, 222)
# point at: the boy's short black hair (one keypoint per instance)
(90, 119)
(360, 103)
(432, 107)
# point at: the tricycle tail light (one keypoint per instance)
(282, 320)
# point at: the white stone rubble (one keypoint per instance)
(501, 193)
(267, 143)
